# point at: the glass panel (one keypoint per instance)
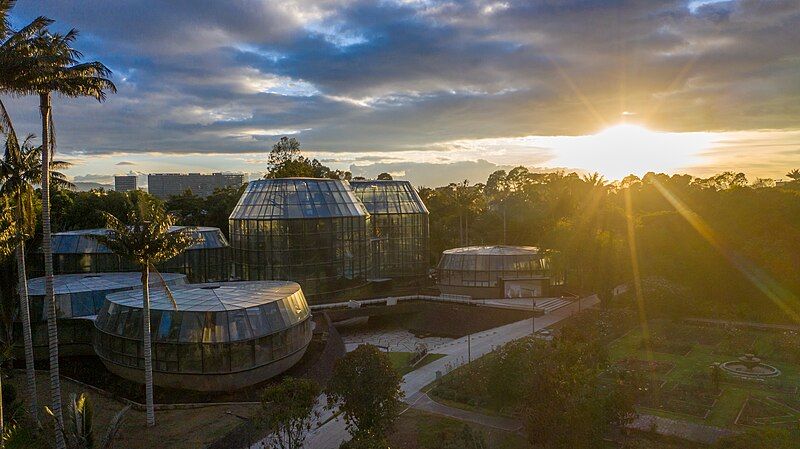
(216, 358)
(238, 325)
(241, 355)
(191, 358)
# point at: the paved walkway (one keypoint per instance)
(680, 429)
(546, 305)
(332, 433)
(427, 404)
(394, 340)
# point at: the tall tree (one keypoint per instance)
(20, 170)
(8, 235)
(366, 388)
(16, 54)
(144, 238)
(286, 161)
(42, 64)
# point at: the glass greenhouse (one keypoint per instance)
(206, 261)
(494, 271)
(400, 236)
(312, 231)
(80, 296)
(221, 337)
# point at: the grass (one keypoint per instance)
(421, 430)
(176, 429)
(401, 361)
(705, 347)
(416, 429)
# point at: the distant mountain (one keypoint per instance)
(85, 186)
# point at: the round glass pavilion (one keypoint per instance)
(312, 231)
(399, 219)
(205, 261)
(79, 298)
(222, 336)
(494, 271)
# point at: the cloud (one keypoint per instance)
(125, 163)
(431, 174)
(355, 76)
(94, 177)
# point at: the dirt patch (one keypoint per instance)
(175, 429)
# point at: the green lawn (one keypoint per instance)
(421, 430)
(400, 361)
(705, 346)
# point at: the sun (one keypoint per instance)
(625, 149)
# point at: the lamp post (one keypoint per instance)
(533, 315)
(469, 348)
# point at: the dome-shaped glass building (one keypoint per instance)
(307, 230)
(79, 297)
(399, 225)
(206, 261)
(494, 271)
(221, 337)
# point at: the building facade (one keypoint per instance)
(208, 260)
(221, 337)
(492, 272)
(311, 231)
(125, 183)
(79, 297)
(399, 227)
(165, 185)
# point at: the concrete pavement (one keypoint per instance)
(332, 432)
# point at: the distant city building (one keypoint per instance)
(164, 185)
(125, 183)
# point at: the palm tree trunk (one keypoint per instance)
(47, 249)
(27, 338)
(146, 351)
(460, 229)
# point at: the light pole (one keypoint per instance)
(469, 348)
(533, 315)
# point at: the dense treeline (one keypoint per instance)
(717, 246)
(734, 248)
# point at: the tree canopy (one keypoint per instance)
(288, 411)
(366, 388)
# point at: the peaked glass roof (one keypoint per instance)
(389, 197)
(287, 198)
(79, 242)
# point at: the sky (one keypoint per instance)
(432, 91)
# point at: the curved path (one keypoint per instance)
(331, 432)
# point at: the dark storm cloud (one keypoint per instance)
(228, 77)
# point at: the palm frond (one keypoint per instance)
(164, 286)
(6, 127)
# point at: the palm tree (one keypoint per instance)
(20, 169)
(794, 175)
(146, 240)
(47, 63)
(8, 234)
(16, 55)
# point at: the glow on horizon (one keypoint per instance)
(624, 149)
